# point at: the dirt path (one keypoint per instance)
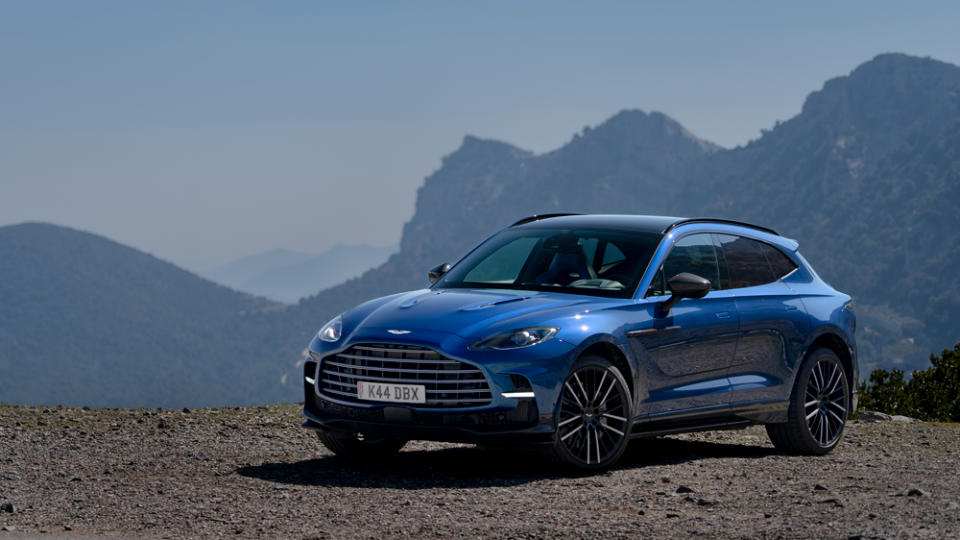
(253, 472)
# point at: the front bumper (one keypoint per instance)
(519, 426)
(508, 419)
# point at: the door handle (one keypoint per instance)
(651, 331)
(791, 307)
(722, 314)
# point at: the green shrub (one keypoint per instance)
(931, 394)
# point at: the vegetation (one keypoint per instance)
(931, 394)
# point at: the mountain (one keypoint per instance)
(288, 276)
(866, 178)
(87, 321)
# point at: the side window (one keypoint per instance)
(695, 254)
(780, 263)
(746, 261)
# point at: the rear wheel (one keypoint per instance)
(819, 406)
(354, 448)
(593, 416)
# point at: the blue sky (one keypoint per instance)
(205, 131)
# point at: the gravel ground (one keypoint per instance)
(254, 473)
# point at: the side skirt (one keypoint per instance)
(739, 417)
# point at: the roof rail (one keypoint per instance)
(676, 224)
(538, 217)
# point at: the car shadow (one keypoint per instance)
(472, 467)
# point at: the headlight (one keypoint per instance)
(331, 330)
(516, 339)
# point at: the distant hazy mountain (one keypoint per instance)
(288, 276)
(236, 273)
(866, 178)
(87, 321)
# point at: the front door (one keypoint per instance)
(686, 354)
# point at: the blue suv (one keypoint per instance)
(578, 333)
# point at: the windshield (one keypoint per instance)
(578, 261)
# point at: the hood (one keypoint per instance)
(471, 313)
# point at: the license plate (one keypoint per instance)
(393, 393)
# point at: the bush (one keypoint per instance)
(931, 394)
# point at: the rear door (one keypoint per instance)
(686, 355)
(771, 319)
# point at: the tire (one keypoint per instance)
(593, 416)
(819, 406)
(350, 447)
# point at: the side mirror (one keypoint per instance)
(683, 285)
(438, 271)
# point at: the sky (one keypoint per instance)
(202, 132)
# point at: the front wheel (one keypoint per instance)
(593, 416)
(819, 406)
(349, 446)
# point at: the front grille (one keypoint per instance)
(449, 383)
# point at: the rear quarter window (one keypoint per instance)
(746, 261)
(779, 262)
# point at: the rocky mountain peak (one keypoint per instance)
(478, 149)
(889, 88)
(636, 128)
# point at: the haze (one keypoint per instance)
(202, 132)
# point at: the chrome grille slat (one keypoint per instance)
(399, 349)
(448, 383)
(339, 393)
(338, 383)
(399, 360)
(398, 380)
(402, 370)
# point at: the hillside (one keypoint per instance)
(255, 473)
(87, 321)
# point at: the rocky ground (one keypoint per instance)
(253, 472)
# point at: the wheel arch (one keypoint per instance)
(833, 341)
(608, 349)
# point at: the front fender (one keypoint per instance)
(608, 341)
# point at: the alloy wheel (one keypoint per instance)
(594, 417)
(825, 403)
